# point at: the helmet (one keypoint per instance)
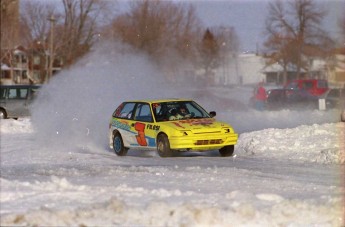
(173, 111)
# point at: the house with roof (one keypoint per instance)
(336, 67)
(22, 65)
(250, 68)
(14, 66)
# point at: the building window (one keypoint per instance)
(24, 75)
(37, 60)
(37, 75)
(24, 59)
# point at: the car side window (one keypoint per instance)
(33, 93)
(23, 93)
(333, 93)
(292, 85)
(322, 84)
(143, 113)
(307, 85)
(18, 93)
(3, 93)
(125, 110)
(12, 93)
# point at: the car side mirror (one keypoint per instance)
(213, 113)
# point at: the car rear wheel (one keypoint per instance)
(119, 148)
(163, 146)
(227, 151)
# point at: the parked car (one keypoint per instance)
(280, 97)
(168, 126)
(276, 98)
(335, 99)
(271, 91)
(15, 100)
(314, 87)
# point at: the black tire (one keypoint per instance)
(227, 151)
(163, 146)
(118, 146)
(3, 114)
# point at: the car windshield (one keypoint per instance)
(292, 85)
(178, 110)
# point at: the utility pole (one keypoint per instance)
(51, 48)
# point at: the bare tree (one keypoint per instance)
(293, 27)
(79, 27)
(227, 39)
(157, 27)
(209, 55)
(342, 27)
(9, 29)
(9, 26)
(68, 33)
(228, 43)
(34, 21)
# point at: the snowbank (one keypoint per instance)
(10, 126)
(317, 143)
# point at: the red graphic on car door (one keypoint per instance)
(140, 128)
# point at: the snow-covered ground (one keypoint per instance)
(278, 177)
(57, 169)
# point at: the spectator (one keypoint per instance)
(260, 97)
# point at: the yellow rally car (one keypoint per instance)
(168, 126)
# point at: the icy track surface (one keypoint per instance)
(278, 177)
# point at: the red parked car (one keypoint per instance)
(314, 87)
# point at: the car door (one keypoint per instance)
(332, 99)
(16, 102)
(142, 125)
(3, 97)
(123, 121)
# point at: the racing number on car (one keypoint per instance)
(140, 128)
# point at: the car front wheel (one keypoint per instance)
(3, 114)
(118, 146)
(163, 146)
(342, 116)
(227, 151)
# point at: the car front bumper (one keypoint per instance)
(202, 141)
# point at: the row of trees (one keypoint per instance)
(74, 28)
(170, 32)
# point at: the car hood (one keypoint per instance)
(204, 125)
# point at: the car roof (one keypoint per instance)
(21, 86)
(307, 80)
(160, 100)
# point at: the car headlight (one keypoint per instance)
(227, 130)
(183, 133)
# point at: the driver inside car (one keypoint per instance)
(177, 115)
